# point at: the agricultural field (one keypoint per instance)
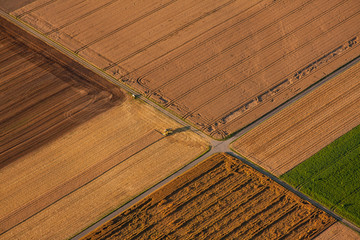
(220, 64)
(11, 5)
(332, 175)
(73, 146)
(40, 98)
(302, 129)
(219, 198)
(338, 231)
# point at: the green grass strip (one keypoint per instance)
(332, 176)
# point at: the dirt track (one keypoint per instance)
(40, 98)
(239, 59)
(305, 127)
(218, 198)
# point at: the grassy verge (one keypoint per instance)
(332, 176)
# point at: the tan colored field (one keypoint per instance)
(301, 130)
(112, 152)
(219, 64)
(33, 176)
(220, 198)
(338, 231)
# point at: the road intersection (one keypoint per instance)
(214, 145)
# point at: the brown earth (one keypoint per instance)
(305, 127)
(41, 99)
(219, 64)
(11, 5)
(76, 153)
(338, 231)
(219, 198)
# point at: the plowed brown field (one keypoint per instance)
(40, 98)
(221, 198)
(74, 146)
(219, 64)
(301, 130)
(11, 5)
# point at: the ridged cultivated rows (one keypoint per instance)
(219, 198)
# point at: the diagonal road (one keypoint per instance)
(215, 145)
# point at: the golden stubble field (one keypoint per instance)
(218, 64)
(305, 127)
(53, 165)
(89, 148)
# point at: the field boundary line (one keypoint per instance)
(295, 191)
(323, 117)
(42, 202)
(258, 72)
(329, 134)
(326, 136)
(109, 78)
(294, 98)
(280, 118)
(142, 195)
(233, 121)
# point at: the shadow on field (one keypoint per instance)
(182, 129)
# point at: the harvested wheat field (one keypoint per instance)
(74, 147)
(338, 231)
(42, 98)
(308, 125)
(120, 146)
(218, 64)
(219, 198)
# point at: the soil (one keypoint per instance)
(338, 231)
(42, 99)
(11, 5)
(308, 125)
(219, 198)
(218, 64)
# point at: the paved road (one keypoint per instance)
(215, 146)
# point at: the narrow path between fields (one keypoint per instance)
(216, 146)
